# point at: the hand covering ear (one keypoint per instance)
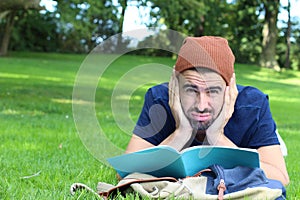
(216, 130)
(183, 134)
(175, 105)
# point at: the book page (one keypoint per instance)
(201, 157)
(157, 161)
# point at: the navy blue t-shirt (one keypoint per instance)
(251, 125)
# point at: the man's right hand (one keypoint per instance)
(184, 131)
(174, 101)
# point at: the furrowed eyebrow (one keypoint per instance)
(214, 88)
(190, 85)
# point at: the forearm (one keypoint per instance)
(273, 163)
(220, 140)
(274, 172)
(179, 139)
(137, 143)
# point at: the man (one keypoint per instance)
(203, 105)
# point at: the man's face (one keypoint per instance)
(202, 96)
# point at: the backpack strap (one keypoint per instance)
(221, 187)
(127, 181)
(219, 172)
(202, 171)
(80, 186)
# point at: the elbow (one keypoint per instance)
(286, 180)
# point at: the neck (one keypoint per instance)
(200, 136)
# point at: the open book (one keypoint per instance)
(163, 160)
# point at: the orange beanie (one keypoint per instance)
(209, 52)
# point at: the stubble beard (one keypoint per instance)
(200, 126)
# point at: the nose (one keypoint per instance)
(202, 101)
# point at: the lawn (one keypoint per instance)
(41, 153)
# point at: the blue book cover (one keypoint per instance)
(164, 160)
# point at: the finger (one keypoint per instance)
(227, 103)
(174, 97)
(231, 97)
(175, 90)
(232, 80)
(227, 96)
(233, 89)
(172, 86)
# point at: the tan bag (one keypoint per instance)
(169, 188)
(194, 187)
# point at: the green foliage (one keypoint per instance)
(238, 21)
(75, 26)
(18, 4)
(34, 32)
(38, 134)
(85, 23)
(247, 29)
(195, 17)
(159, 43)
(173, 14)
(295, 49)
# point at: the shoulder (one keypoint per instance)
(250, 96)
(251, 124)
(159, 92)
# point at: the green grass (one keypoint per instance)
(38, 133)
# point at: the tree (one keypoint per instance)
(85, 23)
(173, 14)
(192, 17)
(19, 4)
(287, 63)
(123, 4)
(245, 30)
(8, 12)
(74, 26)
(35, 31)
(270, 34)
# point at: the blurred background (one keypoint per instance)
(263, 32)
(44, 43)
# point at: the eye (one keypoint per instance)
(191, 90)
(213, 91)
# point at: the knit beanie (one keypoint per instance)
(209, 52)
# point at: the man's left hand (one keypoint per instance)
(215, 132)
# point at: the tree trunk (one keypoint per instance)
(200, 29)
(268, 54)
(19, 4)
(7, 32)
(121, 21)
(10, 7)
(287, 63)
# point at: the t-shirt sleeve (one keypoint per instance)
(155, 122)
(265, 131)
(252, 124)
